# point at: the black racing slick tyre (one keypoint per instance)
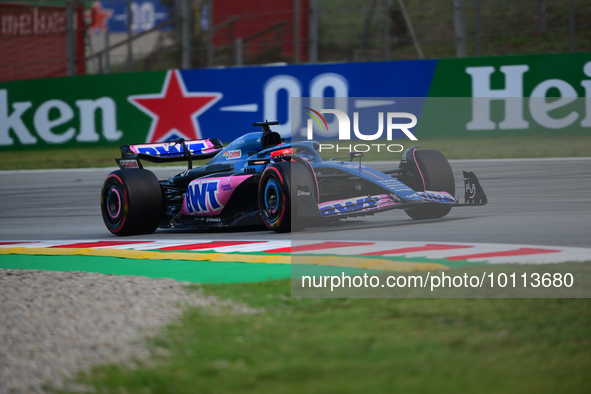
(275, 198)
(132, 202)
(435, 175)
(287, 197)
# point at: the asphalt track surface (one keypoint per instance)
(531, 201)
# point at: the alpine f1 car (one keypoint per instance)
(260, 179)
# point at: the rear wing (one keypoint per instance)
(166, 152)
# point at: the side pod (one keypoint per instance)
(474, 194)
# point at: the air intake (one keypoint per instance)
(220, 167)
(270, 139)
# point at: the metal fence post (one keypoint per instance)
(239, 51)
(210, 33)
(571, 20)
(296, 31)
(370, 6)
(542, 12)
(459, 28)
(387, 30)
(107, 52)
(186, 33)
(129, 36)
(70, 38)
(313, 32)
(411, 30)
(477, 23)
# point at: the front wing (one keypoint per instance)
(368, 205)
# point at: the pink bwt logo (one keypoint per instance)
(207, 197)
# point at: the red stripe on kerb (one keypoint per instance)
(507, 253)
(210, 245)
(425, 248)
(13, 243)
(100, 244)
(323, 245)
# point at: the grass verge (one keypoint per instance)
(452, 148)
(365, 345)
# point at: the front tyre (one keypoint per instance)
(132, 202)
(435, 175)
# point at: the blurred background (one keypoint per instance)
(46, 38)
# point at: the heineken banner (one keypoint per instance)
(510, 95)
(493, 98)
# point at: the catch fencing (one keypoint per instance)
(41, 38)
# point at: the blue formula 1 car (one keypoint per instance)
(258, 179)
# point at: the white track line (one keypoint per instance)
(180, 168)
(91, 169)
(555, 254)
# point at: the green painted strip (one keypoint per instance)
(191, 271)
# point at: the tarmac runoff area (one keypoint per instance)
(538, 212)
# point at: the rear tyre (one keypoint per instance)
(132, 202)
(274, 197)
(438, 176)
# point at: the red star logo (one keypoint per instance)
(99, 17)
(174, 110)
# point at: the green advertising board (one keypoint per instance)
(509, 96)
(74, 111)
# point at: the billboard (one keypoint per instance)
(510, 95)
(148, 107)
(112, 16)
(33, 42)
(200, 103)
